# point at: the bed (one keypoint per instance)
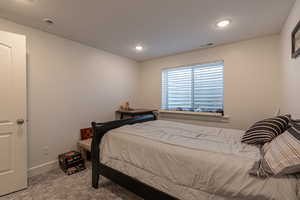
(159, 159)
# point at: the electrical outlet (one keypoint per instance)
(46, 150)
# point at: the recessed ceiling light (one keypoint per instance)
(139, 48)
(48, 21)
(223, 23)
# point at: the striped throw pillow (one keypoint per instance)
(266, 130)
(281, 156)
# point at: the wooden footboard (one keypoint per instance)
(137, 187)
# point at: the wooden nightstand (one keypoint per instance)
(85, 142)
(85, 148)
(135, 112)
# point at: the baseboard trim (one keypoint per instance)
(42, 168)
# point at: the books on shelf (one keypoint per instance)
(71, 162)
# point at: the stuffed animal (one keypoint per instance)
(125, 106)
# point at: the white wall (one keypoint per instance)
(251, 78)
(69, 85)
(290, 68)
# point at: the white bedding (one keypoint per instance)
(192, 162)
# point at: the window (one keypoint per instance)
(197, 88)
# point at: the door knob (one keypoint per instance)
(20, 121)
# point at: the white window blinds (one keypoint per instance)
(197, 88)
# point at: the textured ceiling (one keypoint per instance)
(163, 27)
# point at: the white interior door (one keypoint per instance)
(13, 138)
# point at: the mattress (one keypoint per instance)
(192, 162)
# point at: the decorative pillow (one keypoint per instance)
(281, 156)
(266, 130)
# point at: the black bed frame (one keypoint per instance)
(141, 189)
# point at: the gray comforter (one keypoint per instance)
(192, 162)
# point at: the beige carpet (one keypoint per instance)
(55, 185)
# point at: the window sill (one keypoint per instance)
(202, 116)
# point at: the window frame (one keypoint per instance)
(192, 66)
